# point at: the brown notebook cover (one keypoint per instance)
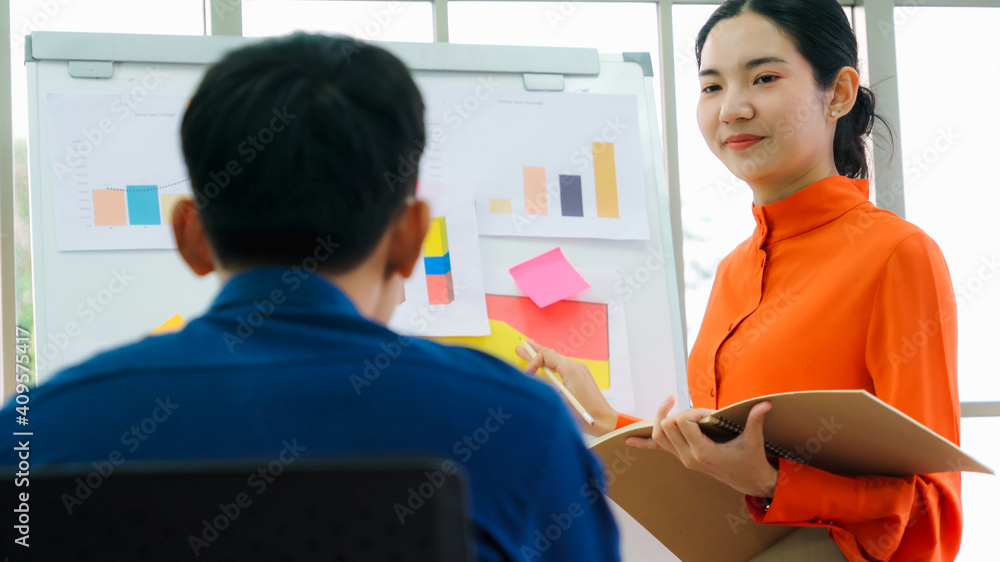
(698, 518)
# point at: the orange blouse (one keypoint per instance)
(831, 292)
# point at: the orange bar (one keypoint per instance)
(109, 207)
(605, 179)
(536, 201)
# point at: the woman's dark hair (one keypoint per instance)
(302, 148)
(822, 34)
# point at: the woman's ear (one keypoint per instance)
(190, 238)
(408, 233)
(845, 92)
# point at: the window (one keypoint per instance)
(715, 204)
(371, 21)
(980, 491)
(175, 17)
(949, 175)
(950, 192)
(610, 27)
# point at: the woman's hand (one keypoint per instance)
(577, 378)
(740, 463)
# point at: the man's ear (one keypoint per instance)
(408, 232)
(190, 238)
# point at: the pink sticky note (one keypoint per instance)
(548, 278)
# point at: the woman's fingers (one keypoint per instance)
(642, 443)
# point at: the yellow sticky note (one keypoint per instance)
(175, 324)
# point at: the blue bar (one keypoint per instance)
(437, 265)
(143, 204)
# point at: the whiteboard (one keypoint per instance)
(86, 301)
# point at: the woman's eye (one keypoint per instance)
(710, 89)
(766, 79)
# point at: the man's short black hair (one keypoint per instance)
(299, 143)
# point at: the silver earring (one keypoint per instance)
(834, 113)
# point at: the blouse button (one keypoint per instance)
(713, 392)
(731, 326)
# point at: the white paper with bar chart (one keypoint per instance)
(551, 164)
(116, 170)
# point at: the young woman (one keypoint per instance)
(829, 292)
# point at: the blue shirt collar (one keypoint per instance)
(281, 284)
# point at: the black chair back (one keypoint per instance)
(372, 509)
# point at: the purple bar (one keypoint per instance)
(571, 195)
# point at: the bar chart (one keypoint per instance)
(437, 263)
(117, 188)
(570, 189)
(545, 164)
(136, 205)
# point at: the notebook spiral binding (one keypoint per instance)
(736, 429)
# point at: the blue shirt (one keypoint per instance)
(283, 360)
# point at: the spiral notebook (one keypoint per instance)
(730, 429)
(698, 518)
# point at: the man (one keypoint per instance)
(301, 206)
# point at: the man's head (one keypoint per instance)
(297, 145)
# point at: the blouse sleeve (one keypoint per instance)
(625, 419)
(911, 357)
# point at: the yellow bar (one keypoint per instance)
(605, 180)
(436, 242)
(500, 206)
(167, 202)
(535, 199)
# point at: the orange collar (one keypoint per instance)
(807, 209)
